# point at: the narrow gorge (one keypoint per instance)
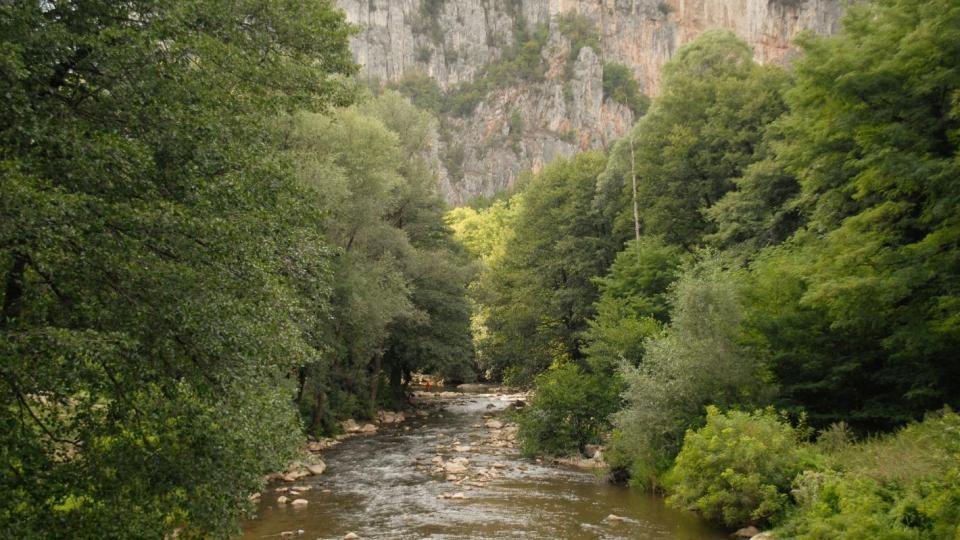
(502, 112)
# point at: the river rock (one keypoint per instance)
(321, 445)
(351, 536)
(493, 424)
(300, 502)
(614, 517)
(368, 428)
(282, 500)
(294, 475)
(317, 468)
(746, 532)
(390, 417)
(454, 467)
(349, 426)
(762, 536)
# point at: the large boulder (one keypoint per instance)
(349, 426)
(317, 467)
(368, 428)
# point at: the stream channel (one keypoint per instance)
(387, 485)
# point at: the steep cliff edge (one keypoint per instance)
(517, 83)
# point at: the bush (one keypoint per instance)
(582, 32)
(569, 410)
(738, 468)
(906, 485)
(620, 86)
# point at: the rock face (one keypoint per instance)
(517, 126)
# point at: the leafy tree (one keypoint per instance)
(620, 85)
(633, 303)
(698, 136)
(762, 210)
(542, 293)
(570, 409)
(696, 361)
(872, 139)
(351, 162)
(438, 339)
(161, 272)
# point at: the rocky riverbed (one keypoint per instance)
(452, 470)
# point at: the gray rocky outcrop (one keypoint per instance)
(525, 126)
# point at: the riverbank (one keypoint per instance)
(453, 471)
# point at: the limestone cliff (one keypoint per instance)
(515, 126)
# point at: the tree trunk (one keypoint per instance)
(633, 172)
(319, 409)
(396, 383)
(375, 382)
(13, 291)
(301, 381)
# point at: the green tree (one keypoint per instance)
(541, 294)
(161, 272)
(633, 303)
(872, 138)
(620, 85)
(698, 136)
(696, 361)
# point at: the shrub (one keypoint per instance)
(905, 485)
(738, 468)
(582, 32)
(620, 86)
(569, 410)
(424, 54)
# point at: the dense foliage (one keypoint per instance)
(540, 295)
(738, 467)
(400, 283)
(794, 244)
(568, 412)
(905, 485)
(160, 271)
(187, 231)
(213, 244)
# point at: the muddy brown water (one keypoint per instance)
(381, 486)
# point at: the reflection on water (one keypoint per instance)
(381, 486)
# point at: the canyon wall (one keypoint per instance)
(524, 125)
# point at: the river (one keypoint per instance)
(386, 486)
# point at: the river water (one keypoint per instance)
(386, 486)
